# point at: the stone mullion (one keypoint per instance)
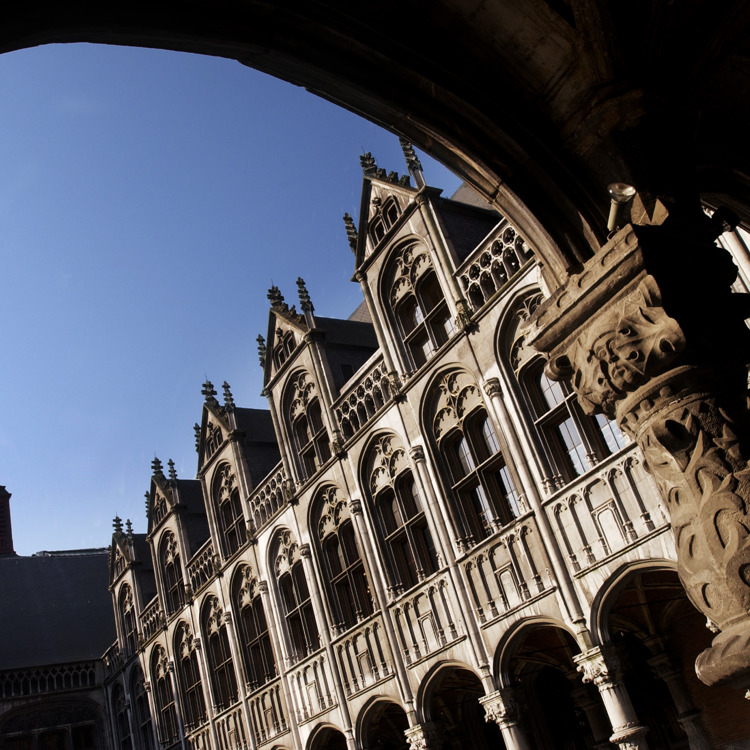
(155, 715)
(674, 374)
(333, 667)
(129, 708)
(469, 613)
(207, 687)
(284, 442)
(323, 380)
(402, 678)
(279, 642)
(177, 704)
(571, 597)
(601, 668)
(239, 673)
(501, 707)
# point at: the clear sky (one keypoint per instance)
(148, 199)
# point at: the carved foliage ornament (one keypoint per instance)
(621, 350)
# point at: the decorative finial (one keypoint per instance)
(197, 430)
(129, 528)
(304, 298)
(351, 232)
(209, 392)
(412, 160)
(157, 468)
(261, 350)
(117, 524)
(228, 398)
(277, 299)
(172, 472)
(368, 163)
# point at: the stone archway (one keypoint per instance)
(327, 738)
(383, 727)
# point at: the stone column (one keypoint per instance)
(601, 668)
(649, 332)
(588, 701)
(502, 708)
(687, 714)
(423, 737)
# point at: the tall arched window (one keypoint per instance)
(347, 587)
(174, 590)
(166, 714)
(220, 665)
(229, 510)
(188, 677)
(484, 495)
(409, 550)
(309, 434)
(141, 713)
(295, 597)
(122, 723)
(257, 653)
(128, 620)
(572, 442)
(414, 294)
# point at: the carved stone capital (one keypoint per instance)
(664, 349)
(304, 550)
(493, 388)
(263, 587)
(423, 737)
(500, 706)
(417, 453)
(598, 666)
(355, 505)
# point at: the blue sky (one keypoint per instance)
(148, 199)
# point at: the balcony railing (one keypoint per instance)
(610, 508)
(152, 619)
(312, 687)
(362, 399)
(425, 620)
(267, 713)
(363, 655)
(230, 729)
(200, 569)
(268, 498)
(506, 570)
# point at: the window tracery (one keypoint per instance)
(284, 347)
(189, 680)
(295, 597)
(347, 587)
(214, 439)
(384, 217)
(484, 493)
(220, 665)
(255, 641)
(309, 433)
(128, 619)
(174, 589)
(409, 550)
(163, 696)
(229, 510)
(421, 312)
(142, 713)
(122, 723)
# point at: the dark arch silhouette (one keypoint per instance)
(556, 99)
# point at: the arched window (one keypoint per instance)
(214, 439)
(174, 590)
(572, 441)
(122, 723)
(220, 665)
(294, 593)
(229, 511)
(422, 317)
(166, 714)
(309, 434)
(409, 551)
(284, 347)
(141, 713)
(383, 218)
(188, 677)
(257, 653)
(127, 619)
(484, 495)
(347, 587)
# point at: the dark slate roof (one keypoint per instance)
(257, 424)
(194, 519)
(467, 194)
(466, 226)
(56, 608)
(348, 332)
(361, 314)
(145, 567)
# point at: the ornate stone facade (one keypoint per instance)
(428, 541)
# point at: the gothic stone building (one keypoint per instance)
(424, 543)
